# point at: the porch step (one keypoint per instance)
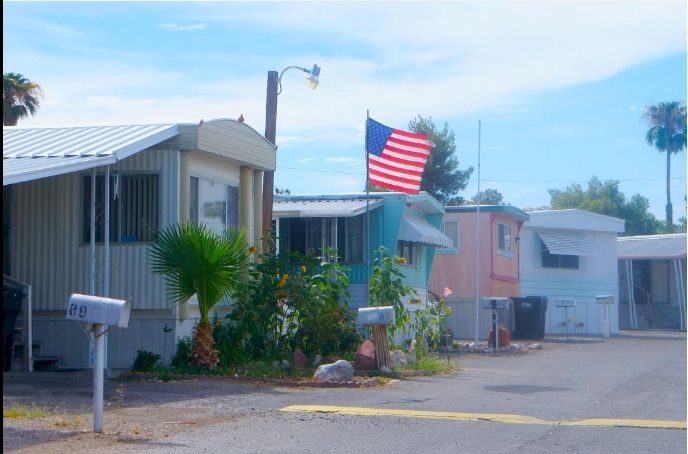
(46, 363)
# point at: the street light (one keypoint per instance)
(273, 90)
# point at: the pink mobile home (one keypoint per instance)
(455, 267)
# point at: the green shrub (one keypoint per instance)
(145, 361)
(182, 356)
(228, 342)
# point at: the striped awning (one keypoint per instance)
(419, 230)
(563, 242)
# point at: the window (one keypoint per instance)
(557, 260)
(134, 208)
(311, 235)
(451, 229)
(504, 239)
(409, 251)
(214, 204)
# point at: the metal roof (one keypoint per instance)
(506, 209)
(566, 242)
(421, 231)
(652, 247)
(321, 208)
(32, 153)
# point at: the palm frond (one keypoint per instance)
(194, 260)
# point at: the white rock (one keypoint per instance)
(341, 371)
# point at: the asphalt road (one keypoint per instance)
(640, 376)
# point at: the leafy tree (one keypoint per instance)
(441, 177)
(194, 260)
(20, 98)
(488, 197)
(606, 198)
(667, 133)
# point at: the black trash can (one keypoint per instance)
(11, 305)
(529, 317)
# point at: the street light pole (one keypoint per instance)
(270, 135)
(275, 81)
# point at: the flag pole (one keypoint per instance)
(477, 252)
(367, 260)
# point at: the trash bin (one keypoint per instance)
(529, 317)
(11, 305)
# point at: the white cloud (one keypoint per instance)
(305, 160)
(178, 28)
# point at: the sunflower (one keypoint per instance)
(252, 250)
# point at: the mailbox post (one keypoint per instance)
(378, 318)
(494, 304)
(93, 312)
(565, 303)
(605, 301)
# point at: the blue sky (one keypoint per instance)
(558, 87)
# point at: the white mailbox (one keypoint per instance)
(99, 310)
(376, 315)
(564, 302)
(495, 303)
(605, 299)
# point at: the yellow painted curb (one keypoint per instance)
(509, 419)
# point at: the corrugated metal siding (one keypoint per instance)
(46, 239)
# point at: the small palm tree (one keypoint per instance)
(20, 97)
(194, 260)
(667, 133)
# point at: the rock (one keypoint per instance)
(398, 359)
(365, 356)
(341, 371)
(318, 360)
(275, 364)
(412, 358)
(124, 374)
(260, 364)
(353, 363)
(535, 346)
(332, 359)
(300, 360)
(285, 364)
(386, 370)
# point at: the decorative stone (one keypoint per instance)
(275, 364)
(398, 359)
(535, 346)
(285, 364)
(300, 360)
(341, 371)
(386, 370)
(365, 356)
(332, 359)
(317, 360)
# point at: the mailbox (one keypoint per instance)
(495, 303)
(376, 315)
(605, 299)
(98, 310)
(564, 302)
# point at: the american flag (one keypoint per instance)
(396, 158)
(447, 292)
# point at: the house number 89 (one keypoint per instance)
(73, 310)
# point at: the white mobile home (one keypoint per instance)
(571, 253)
(54, 180)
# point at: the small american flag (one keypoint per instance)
(447, 291)
(396, 158)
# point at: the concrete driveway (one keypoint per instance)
(630, 389)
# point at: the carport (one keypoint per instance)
(652, 280)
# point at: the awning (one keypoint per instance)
(33, 153)
(321, 208)
(652, 247)
(563, 242)
(420, 231)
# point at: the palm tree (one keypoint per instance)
(20, 97)
(194, 260)
(667, 133)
